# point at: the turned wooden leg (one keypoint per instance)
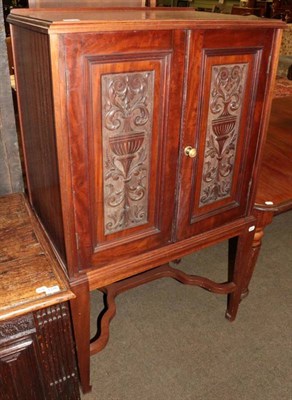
(256, 246)
(264, 217)
(240, 250)
(80, 309)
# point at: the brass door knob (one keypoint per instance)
(190, 152)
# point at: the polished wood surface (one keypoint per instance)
(101, 20)
(86, 3)
(33, 81)
(275, 179)
(26, 262)
(131, 91)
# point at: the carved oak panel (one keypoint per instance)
(225, 105)
(127, 114)
(15, 328)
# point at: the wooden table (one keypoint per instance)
(274, 193)
(37, 356)
(245, 11)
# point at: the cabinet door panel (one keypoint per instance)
(124, 182)
(127, 172)
(222, 123)
(21, 376)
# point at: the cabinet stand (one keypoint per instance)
(240, 251)
(164, 271)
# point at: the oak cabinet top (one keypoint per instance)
(82, 20)
(30, 275)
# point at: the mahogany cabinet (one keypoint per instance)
(142, 132)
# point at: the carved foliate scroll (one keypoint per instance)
(127, 115)
(224, 113)
(16, 326)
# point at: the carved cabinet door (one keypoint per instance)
(226, 84)
(124, 100)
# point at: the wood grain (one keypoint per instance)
(102, 20)
(32, 66)
(26, 261)
(86, 3)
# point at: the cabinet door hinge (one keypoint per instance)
(249, 188)
(269, 64)
(77, 240)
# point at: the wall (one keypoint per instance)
(10, 168)
(225, 5)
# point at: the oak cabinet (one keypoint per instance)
(37, 356)
(142, 133)
(37, 350)
(21, 376)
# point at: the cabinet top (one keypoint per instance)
(62, 20)
(30, 275)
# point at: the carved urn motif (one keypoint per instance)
(126, 129)
(227, 89)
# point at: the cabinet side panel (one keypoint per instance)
(35, 101)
